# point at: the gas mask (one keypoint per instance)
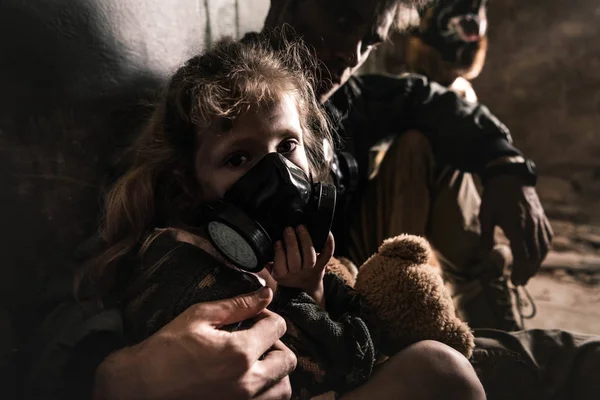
(271, 196)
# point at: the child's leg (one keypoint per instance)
(426, 370)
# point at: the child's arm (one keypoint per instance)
(336, 346)
(335, 349)
(182, 275)
(297, 265)
(325, 318)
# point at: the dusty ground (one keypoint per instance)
(567, 289)
(563, 302)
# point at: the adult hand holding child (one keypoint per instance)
(191, 358)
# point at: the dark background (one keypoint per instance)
(73, 77)
(77, 78)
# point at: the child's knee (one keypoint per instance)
(441, 371)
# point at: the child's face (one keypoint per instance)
(223, 158)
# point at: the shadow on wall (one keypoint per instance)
(76, 80)
(542, 78)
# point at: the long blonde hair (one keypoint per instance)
(209, 91)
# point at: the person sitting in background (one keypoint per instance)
(422, 183)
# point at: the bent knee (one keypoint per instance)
(409, 155)
(412, 141)
(443, 371)
(411, 145)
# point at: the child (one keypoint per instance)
(223, 112)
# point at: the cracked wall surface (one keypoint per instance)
(542, 78)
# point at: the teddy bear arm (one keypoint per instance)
(411, 304)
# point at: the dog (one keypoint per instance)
(449, 45)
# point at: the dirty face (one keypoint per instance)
(223, 158)
(458, 20)
(342, 32)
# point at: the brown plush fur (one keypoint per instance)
(409, 298)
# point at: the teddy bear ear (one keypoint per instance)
(407, 247)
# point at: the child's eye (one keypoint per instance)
(236, 160)
(287, 146)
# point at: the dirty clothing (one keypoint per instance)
(335, 347)
(418, 147)
(525, 365)
(537, 364)
(413, 194)
(368, 108)
(410, 193)
(373, 108)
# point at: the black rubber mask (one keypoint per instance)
(271, 196)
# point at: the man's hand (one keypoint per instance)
(190, 358)
(517, 210)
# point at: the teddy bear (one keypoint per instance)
(406, 293)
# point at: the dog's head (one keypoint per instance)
(453, 21)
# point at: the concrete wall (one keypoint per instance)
(542, 78)
(75, 80)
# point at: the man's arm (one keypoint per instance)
(468, 137)
(465, 135)
(87, 358)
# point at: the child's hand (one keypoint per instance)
(297, 264)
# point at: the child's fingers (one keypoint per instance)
(292, 250)
(309, 255)
(325, 255)
(269, 267)
(279, 262)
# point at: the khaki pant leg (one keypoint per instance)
(537, 364)
(409, 195)
(397, 199)
(454, 228)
